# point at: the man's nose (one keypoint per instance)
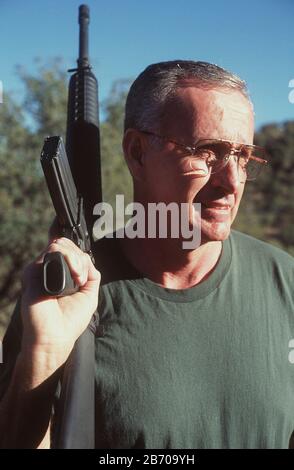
(229, 176)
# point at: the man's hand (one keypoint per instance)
(50, 328)
(51, 325)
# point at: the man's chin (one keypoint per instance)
(214, 231)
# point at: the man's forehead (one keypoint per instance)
(206, 112)
(224, 101)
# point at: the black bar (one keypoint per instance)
(84, 19)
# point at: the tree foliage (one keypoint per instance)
(115, 174)
(267, 207)
(26, 211)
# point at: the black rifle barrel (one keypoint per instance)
(82, 134)
(75, 426)
(84, 19)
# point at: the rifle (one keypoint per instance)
(75, 187)
(68, 204)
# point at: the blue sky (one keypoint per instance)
(253, 39)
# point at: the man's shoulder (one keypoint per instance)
(111, 261)
(258, 250)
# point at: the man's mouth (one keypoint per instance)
(216, 206)
(219, 211)
(219, 205)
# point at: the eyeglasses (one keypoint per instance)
(216, 154)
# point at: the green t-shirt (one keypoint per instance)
(204, 367)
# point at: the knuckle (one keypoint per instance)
(74, 262)
(79, 259)
(60, 240)
(77, 248)
(68, 242)
(88, 259)
(82, 265)
(53, 247)
(85, 263)
(65, 240)
(87, 256)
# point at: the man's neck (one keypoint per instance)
(164, 261)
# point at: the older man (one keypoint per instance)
(193, 346)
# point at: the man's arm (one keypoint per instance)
(50, 328)
(26, 408)
(8, 376)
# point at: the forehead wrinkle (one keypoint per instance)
(178, 117)
(205, 127)
(193, 113)
(228, 120)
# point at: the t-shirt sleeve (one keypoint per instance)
(11, 349)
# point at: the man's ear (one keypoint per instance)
(134, 147)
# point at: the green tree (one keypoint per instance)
(26, 210)
(115, 174)
(267, 208)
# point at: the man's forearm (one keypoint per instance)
(25, 410)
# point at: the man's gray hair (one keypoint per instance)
(158, 83)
